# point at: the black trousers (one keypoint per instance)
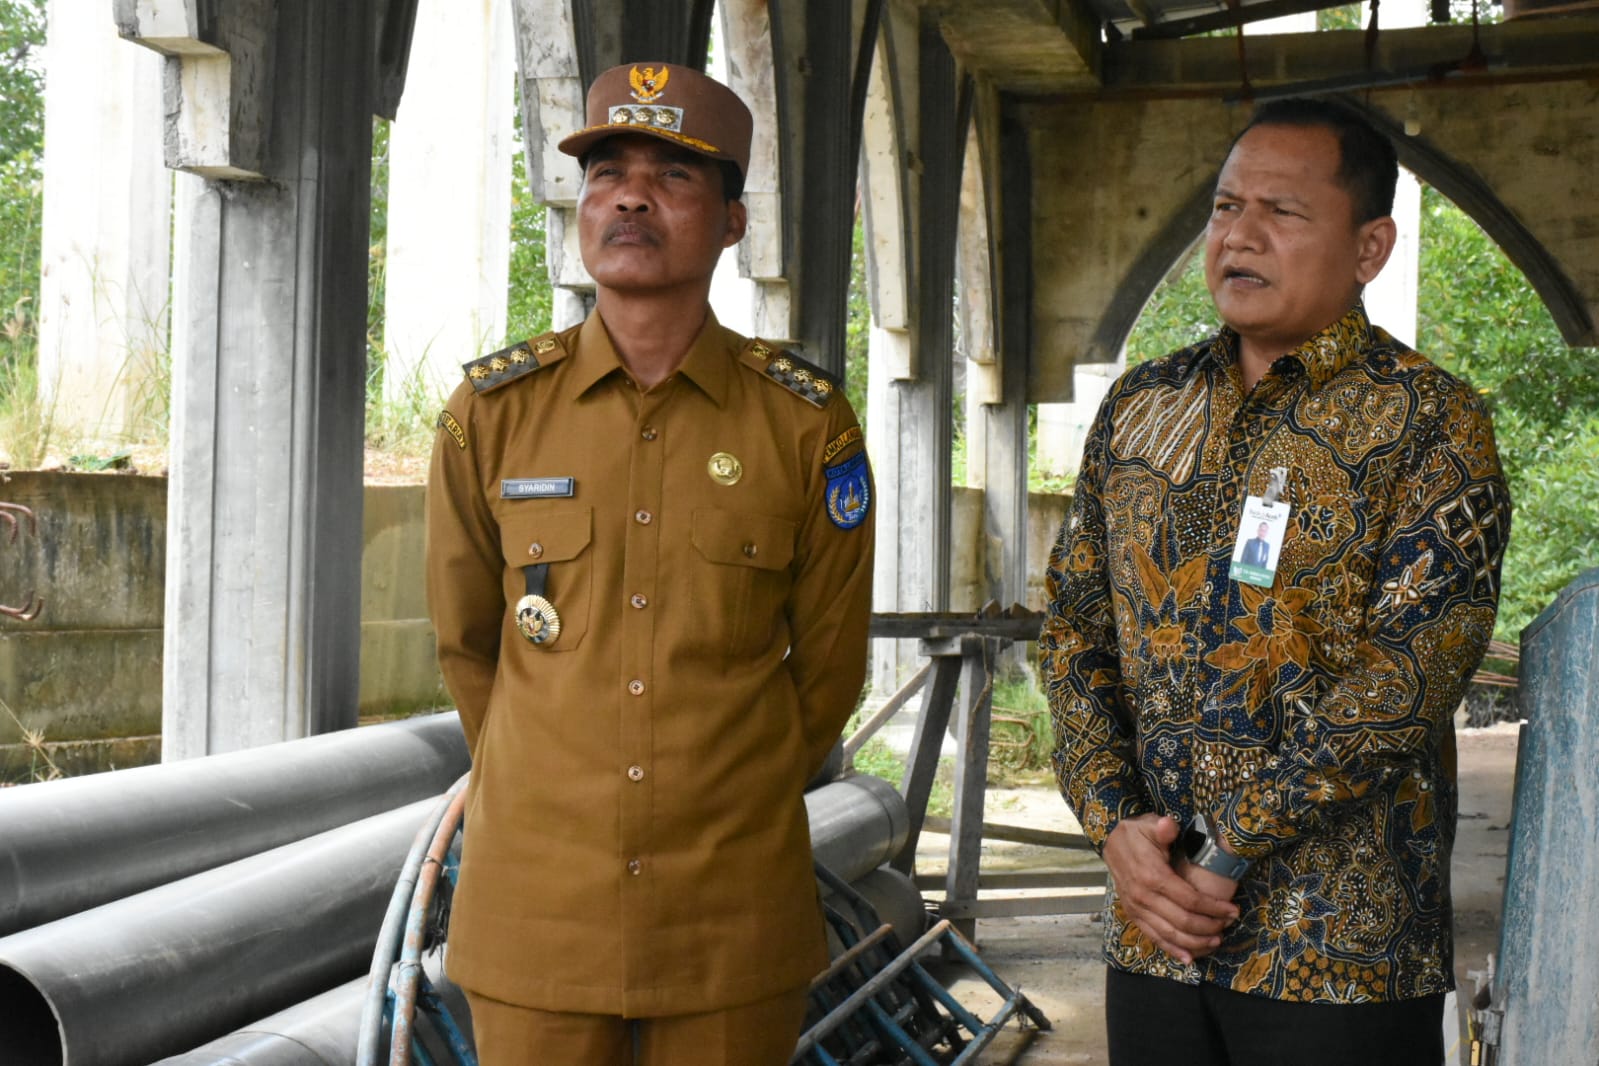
(1151, 1021)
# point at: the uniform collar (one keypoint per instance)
(1322, 356)
(707, 363)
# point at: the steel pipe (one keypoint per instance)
(72, 844)
(318, 1032)
(155, 973)
(857, 824)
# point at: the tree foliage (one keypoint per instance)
(22, 28)
(1480, 319)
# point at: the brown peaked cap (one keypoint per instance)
(671, 102)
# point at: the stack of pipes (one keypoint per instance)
(209, 910)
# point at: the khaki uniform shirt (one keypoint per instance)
(637, 841)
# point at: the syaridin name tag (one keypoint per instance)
(528, 488)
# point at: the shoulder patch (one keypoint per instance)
(491, 371)
(803, 378)
(451, 425)
(849, 492)
(840, 442)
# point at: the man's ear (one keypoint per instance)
(1375, 243)
(738, 221)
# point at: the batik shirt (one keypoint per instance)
(1312, 719)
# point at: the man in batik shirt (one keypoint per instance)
(1264, 755)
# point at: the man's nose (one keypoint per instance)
(1244, 231)
(633, 195)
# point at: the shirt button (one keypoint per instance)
(643, 517)
(639, 601)
(535, 549)
(648, 433)
(636, 687)
(750, 550)
(635, 867)
(635, 773)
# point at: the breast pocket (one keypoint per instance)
(744, 580)
(559, 539)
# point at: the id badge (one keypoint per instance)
(1261, 529)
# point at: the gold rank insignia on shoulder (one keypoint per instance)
(803, 378)
(492, 371)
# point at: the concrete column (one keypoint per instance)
(750, 293)
(552, 107)
(913, 111)
(449, 239)
(103, 296)
(1391, 297)
(264, 506)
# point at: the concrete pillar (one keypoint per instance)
(264, 505)
(103, 296)
(911, 220)
(750, 292)
(1391, 297)
(449, 240)
(552, 107)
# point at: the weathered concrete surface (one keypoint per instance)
(1101, 246)
(102, 307)
(449, 236)
(87, 672)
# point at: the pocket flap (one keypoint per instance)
(546, 537)
(737, 539)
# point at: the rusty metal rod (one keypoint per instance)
(72, 844)
(409, 972)
(368, 1044)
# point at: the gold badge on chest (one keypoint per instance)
(537, 621)
(725, 469)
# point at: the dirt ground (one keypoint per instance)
(1056, 960)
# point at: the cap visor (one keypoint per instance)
(579, 143)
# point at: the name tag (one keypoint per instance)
(528, 488)
(1261, 529)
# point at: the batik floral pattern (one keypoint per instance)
(1312, 720)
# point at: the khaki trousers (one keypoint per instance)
(755, 1034)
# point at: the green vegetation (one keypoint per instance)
(21, 200)
(1481, 320)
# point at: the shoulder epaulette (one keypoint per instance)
(801, 377)
(491, 371)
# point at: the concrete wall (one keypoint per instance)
(87, 672)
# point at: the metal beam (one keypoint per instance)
(1220, 20)
(1515, 51)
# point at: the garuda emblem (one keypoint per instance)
(649, 83)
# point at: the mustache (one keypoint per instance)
(630, 229)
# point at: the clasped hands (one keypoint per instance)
(1181, 907)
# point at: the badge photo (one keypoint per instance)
(1261, 528)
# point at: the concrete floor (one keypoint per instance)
(1056, 960)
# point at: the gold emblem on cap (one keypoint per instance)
(725, 468)
(537, 621)
(649, 83)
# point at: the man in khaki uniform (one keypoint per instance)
(649, 568)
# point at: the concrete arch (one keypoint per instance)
(1455, 177)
